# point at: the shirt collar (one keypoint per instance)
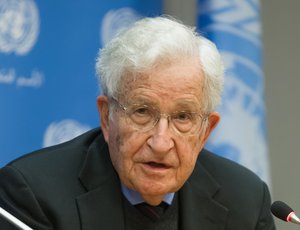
(135, 198)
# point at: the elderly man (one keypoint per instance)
(146, 168)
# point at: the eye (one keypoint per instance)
(141, 115)
(141, 111)
(183, 116)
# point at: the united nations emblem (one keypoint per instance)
(58, 132)
(19, 26)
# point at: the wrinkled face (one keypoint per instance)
(158, 161)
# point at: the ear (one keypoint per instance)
(213, 121)
(103, 109)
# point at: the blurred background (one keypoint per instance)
(48, 85)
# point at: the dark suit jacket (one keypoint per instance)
(74, 186)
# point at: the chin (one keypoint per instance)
(155, 188)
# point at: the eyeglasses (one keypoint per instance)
(144, 118)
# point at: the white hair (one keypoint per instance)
(151, 40)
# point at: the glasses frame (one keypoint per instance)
(124, 108)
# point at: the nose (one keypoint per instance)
(161, 140)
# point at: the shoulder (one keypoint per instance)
(224, 170)
(48, 172)
(55, 164)
(70, 151)
(240, 190)
(237, 184)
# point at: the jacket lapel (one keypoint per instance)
(101, 206)
(198, 208)
(98, 211)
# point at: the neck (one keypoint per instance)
(153, 200)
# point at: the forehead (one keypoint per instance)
(182, 79)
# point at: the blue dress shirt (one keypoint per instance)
(135, 198)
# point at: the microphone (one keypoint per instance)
(13, 220)
(284, 212)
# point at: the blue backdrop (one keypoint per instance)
(48, 87)
(234, 25)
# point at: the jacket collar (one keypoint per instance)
(198, 206)
(101, 205)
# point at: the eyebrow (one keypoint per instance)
(185, 103)
(180, 105)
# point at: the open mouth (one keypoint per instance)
(157, 165)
